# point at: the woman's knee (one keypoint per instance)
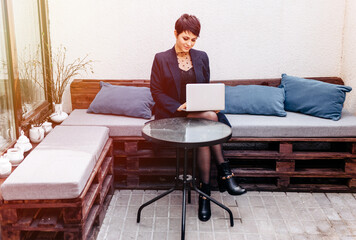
(210, 115)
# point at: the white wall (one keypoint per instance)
(349, 54)
(244, 39)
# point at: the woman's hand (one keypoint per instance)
(182, 107)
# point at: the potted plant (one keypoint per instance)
(63, 74)
(36, 131)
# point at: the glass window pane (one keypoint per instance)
(28, 45)
(7, 120)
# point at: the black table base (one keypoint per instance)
(186, 187)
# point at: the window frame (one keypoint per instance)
(45, 108)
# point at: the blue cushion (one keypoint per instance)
(254, 99)
(122, 100)
(314, 97)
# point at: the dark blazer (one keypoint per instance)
(165, 79)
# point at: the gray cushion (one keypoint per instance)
(314, 97)
(59, 167)
(123, 100)
(293, 125)
(243, 125)
(118, 125)
(254, 99)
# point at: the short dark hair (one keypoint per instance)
(188, 23)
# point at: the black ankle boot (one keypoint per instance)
(226, 180)
(204, 212)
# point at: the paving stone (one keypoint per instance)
(160, 224)
(273, 212)
(174, 224)
(237, 236)
(310, 227)
(136, 200)
(317, 214)
(283, 237)
(246, 213)
(146, 225)
(265, 227)
(252, 236)
(258, 215)
(122, 200)
(205, 226)
(206, 236)
(335, 199)
(345, 213)
(295, 227)
(242, 201)
(128, 235)
(161, 211)
(249, 226)
(131, 225)
(175, 200)
(160, 235)
(341, 229)
(331, 214)
(144, 235)
(220, 225)
(322, 200)
(303, 214)
(279, 226)
(269, 201)
(192, 224)
(268, 237)
(256, 201)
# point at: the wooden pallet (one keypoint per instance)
(277, 164)
(318, 164)
(77, 218)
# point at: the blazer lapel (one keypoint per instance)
(173, 67)
(197, 65)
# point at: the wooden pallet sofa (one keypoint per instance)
(62, 188)
(294, 153)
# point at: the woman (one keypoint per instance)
(171, 71)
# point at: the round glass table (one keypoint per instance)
(186, 134)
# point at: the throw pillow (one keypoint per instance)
(122, 100)
(254, 99)
(314, 97)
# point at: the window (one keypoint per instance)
(7, 121)
(24, 66)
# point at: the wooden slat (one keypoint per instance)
(27, 217)
(49, 218)
(263, 154)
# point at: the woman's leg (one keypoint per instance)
(225, 176)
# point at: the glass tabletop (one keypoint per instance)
(186, 132)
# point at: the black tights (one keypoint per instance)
(204, 160)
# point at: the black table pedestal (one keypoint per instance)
(185, 188)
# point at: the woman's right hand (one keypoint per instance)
(182, 107)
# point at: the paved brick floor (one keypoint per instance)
(258, 215)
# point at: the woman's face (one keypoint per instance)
(185, 41)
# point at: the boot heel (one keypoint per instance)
(221, 184)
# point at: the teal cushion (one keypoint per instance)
(314, 97)
(122, 100)
(254, 99)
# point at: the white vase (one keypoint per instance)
(58, 116)
(36, 134)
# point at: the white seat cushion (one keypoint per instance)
(293, 125)
(118, 125)
(59, 167)
(243, 125)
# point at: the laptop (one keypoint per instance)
(205, 97)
